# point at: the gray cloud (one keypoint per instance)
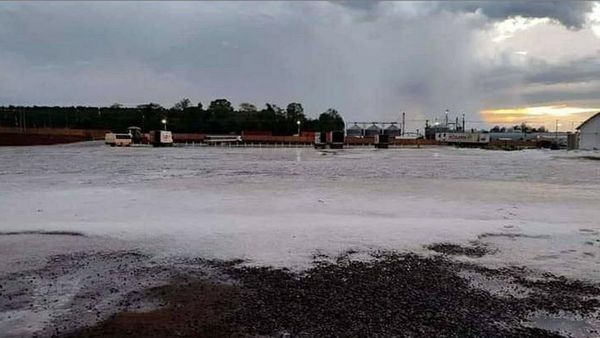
(577, 71)
(315, 53)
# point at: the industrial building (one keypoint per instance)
(376, 128)
(589, 133)
(447, 126)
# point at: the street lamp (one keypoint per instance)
(164, 122)
(298, 123)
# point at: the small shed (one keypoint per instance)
(589, 133)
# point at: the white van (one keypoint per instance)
(117, 140)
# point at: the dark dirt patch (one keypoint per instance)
(393, 294)
(510, 235)
(593, 158)
(41, 232)
(455, 249)
(193, 309)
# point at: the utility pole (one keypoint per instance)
(463, 123)
(446, 119)
(403, 122)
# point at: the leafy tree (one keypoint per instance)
(221, 106)
(247, 107)
(295, 111)
(150, 106)
(330, 120)
(182, 105)
(273, 108)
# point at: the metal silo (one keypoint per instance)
(372, 130)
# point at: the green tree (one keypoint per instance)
(182, 105)
(220, 106)
(295, 111)
(150, 106)
(330, 120)
(247, 107)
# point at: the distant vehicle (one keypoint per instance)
(118, 140)
(222, 139)
(137, 137)
(382, 141)
(463, 138)
(320, 140)
(161, 138)
(331, 140)
(409, 136)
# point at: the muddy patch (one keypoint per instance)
(475, 250)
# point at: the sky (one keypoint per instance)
(502, 62)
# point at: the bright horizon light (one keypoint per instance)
(570, 117)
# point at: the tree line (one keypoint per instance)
(522, 128)
(184, 117)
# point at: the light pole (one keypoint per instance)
(164, 122)
(298, 123)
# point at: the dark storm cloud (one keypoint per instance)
(358, 4)
(572, 14)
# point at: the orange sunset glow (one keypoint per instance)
(568, 117)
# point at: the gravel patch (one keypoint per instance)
(392, 294)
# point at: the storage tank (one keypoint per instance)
(372, 130)
(392, 131)
(354, 131)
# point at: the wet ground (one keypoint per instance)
(89, 231)
(356, 294)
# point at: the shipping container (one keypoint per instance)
(161, 138)
(382, 141)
